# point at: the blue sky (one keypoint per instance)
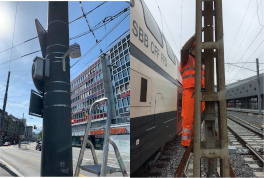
(21, 83)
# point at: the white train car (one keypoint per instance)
(155, 86)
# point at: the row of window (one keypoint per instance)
(124, 102)
(122, 74)
(88, 83)
(93, 70)
(88, 93)
(98, 110)
(87, 103)
(122, 88)
(120, 49)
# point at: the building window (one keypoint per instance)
(96, 68)
(120, 49)
(116, 78)
(128, 70)
(122, 61)
(116, 52)
(101, 75)
(124, 73)
(127, 58)
(118, 63)
(102, 86)
(127, 86)
(120, 75)
(122, 88)
(119, 103)
(125, 46)
(128, 100)
(124, 102)
(117, 90)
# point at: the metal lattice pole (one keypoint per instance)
(210, 150)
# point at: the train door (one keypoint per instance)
(159, 109)
(179, 109)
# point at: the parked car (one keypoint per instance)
(38, 146)
(7, 144)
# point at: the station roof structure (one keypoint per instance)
(244, 88)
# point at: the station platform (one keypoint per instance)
(253, 111)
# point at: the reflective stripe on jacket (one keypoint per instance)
(188, 74)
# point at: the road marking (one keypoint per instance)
(25, 156)
(28, 165)
(11, 168)
(11, 163)
(80, 175)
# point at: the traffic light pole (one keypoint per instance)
(56, 155)
(3, 111)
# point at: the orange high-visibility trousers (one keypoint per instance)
(188, 115)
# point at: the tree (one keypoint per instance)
(40, 135)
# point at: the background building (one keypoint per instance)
(13, 127)
(108, 76)
(29, 133)
(244, 93)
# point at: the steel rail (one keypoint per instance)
(246, 144)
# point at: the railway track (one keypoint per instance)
(249, 142)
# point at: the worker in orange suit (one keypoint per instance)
(187, 69)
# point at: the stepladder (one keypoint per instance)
(213, 47)
(100, 169)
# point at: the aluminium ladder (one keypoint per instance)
(100, 169)
(210, 149)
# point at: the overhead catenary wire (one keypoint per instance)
(100, 52)
(249, 58)
(248, 47)
(13, 36)
(102, 23)
(244, 35)
(238, 29)
(119, 22)
(169, 31)
(258, 14)
(242, 67)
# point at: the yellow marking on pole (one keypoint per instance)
(25, 156)
(80, 175)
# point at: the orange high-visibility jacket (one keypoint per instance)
(188, 74)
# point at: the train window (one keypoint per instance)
(143, 90)
(170, 52)
(151, 24)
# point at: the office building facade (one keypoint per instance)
(108, 76)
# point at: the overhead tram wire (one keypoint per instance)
(101, 52)
(88, 12)
(101, 24)
(68, 23)
(245, 34)
(88, 23)
(169, 31)
(242, 67)
(13, 36)
(20, 57)
(121, 20)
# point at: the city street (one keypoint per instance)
(26, 160)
